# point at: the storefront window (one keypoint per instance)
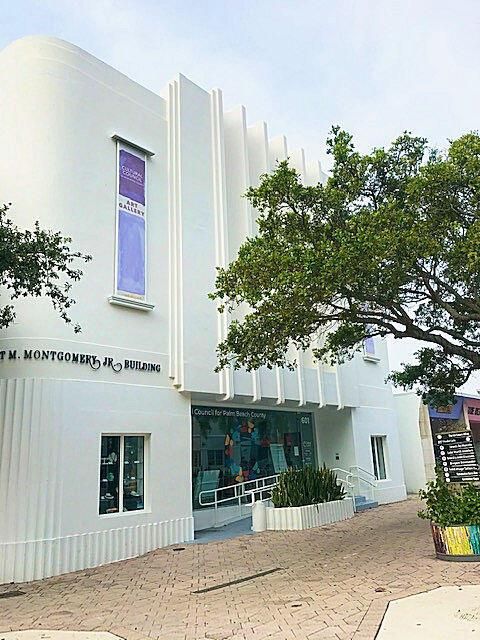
(121, 465)
(236, 445)
(109, 474)
(133, 467)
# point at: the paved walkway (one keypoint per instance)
(332, 582)
(233, 530)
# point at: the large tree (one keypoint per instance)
(36, 263)
(389, 245)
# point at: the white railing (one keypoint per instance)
(239, 494)
(356, 481)
(265, 493)
(359, 470)
(365, 482)
(344, 477)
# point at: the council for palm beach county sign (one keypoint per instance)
(456, 454)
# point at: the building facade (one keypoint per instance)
(108, 437)
(415, 440)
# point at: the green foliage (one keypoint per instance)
(389, 245)
(300, 487)
(448, 506)
(36, 263)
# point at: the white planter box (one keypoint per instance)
(312, 515)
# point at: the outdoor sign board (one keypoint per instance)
(455, 453)
(447, 412)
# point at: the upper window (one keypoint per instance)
(130, 268)
(369, 349)
(378, 444)
(122, 466)
(369, 346)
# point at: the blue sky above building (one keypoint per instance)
(374, 67)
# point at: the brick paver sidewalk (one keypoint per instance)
(332, 582)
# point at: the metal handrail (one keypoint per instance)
(369, 486)
(369, 473)
(239, 485)
(260, 490)
(353, 475)
(336, 469)
(353, 479)
(349, 485)
(241, 491)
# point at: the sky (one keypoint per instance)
(375, 67)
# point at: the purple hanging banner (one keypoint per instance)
(131, 204)
(131, 253)
(132, 176)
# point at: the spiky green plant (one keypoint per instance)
(300, 487)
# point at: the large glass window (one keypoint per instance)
(236, 445)
(378, 456)
(122, 468)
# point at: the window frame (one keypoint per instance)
(375, 457)
(119, 297)
(368, 355)
(146, 467)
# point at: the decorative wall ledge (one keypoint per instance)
(116, 136)
(131, 303)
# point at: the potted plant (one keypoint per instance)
(454, 514)
(305, 498)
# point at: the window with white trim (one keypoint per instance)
(369, 346)
(378, 444)
(122, 473)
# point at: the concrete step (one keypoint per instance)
(362, 504)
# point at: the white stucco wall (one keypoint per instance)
(376, 416)
(417, 452)
(49, 520)
(58, 112)
(335, 438)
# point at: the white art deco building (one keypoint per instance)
(108, 437)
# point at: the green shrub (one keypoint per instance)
(448, 506)
(299, 487)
